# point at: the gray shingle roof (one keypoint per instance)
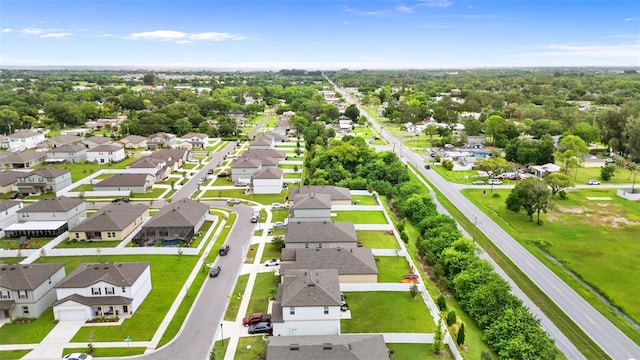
(117, 274)
(181, 213)
(336, 192)
(105, 148)
(189, 136)
(113, 217)
(59, 204)
(328, 347)
(272, 153)
(246, 163)
(266, 161)
(47, 172)
(133, 139)
(267, 173)
(65, 139)
(312, 201)
(99, 139)
(262, 140)
(23, 157)
(320, 231)
(8, 177)
(357, 261)
(26, 277)
(24, 134)
(96, 300)
(124, 180)
(311, 288)
(67, 149)
(8, 204)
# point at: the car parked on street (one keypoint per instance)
(233, 201)
(256, 318)
(593, 182)
(260, 328)
(223, 174)
(215, 271)
(276, 206)
(224, 250)
(428, 167)
(478, 182)
(494, 182)
(255, 218)
(210, 172)
(272, 262)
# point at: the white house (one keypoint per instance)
(94, 141)
(102, 290)
(105, 154)
(320, 234)
(23, 140)
(47, 217)
(267, 181)
(196, 140)
(546, 169)
(27, 290)
(161, 140)
(243, 168)
(67, 153)
(8, 213)
(308, 303)
(311, 207)
(43, 180)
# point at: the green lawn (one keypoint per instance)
(297, 175)
(13, 354)
(418, 143)
(11, 260)
(401, 313)
(361, 217)
(87, 244)
(153, 194)
(417, 352)
(460, 177)
(270, 252)
(82, 170)
(251, 253)
(379, 142)
(264, 199)
(621, 176)
(83, 187)
(108, 351)
(30, 333)
(391, 268)
(364, 200)
(250, 348)
(236, 298)
(278, 215)
(587, 242)
(261, 293)
(378, 239)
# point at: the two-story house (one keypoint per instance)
(8, 213)
(96, 140)
(325, 347)
(320, 234)
(311, 207)
(113, 222)
(195, 140)
(156, 167)
(21, 160)
(47, 217)
(102, 290)
(262, 142)
(134, 183)
(355, 265)
(308, 303)
(267, 181)
(43, 180)
(243, 168)
(8, 180)
(105, 154)
(161, 140)
(67, 153)
(26, 291)
(64, 140)
(24, 140)
(339, 195)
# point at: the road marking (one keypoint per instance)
(590, 319)
(558, 290)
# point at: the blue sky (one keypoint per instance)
(265, 34)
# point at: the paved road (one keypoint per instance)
(615, 343)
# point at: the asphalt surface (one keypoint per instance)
(610, 339)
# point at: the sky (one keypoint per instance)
(327, 34)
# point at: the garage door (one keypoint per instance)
(72, 315)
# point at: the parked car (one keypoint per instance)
(224, 250)
(17, 196)
(256, 318)
(240, 184)
(410, 276)
(272, 262)
(277, 206)
(344, 306)
(223, 174)
(593, 182)
(260, 328)
(77, 356)
(255, 218)
(210, 171)
(117, 200)
(478, 182)
(428, 167)
(494, 182)
(214, 272)
(278, 225)
(609, 160)
(200, 181)
(233, 201)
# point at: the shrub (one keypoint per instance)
(607, 172)
(278, 241)
(401, 225)
(496, 195)
(460, 337)
(451, 318)
(448, 164)
(404, 237)
(442, 303)
(413, 291)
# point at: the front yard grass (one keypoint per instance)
(108, 351)
(82, 170)
(261, 293)
(378, 239)
(236, 298)
(364, 200)
(279, 215)
(153, 194)
(401, 313)
(270, 252)
(30, 333)
(264, 199)
(87, 244)
(391, 268)
(251, 253)
(297, 175)
(250, 348)
(460, 177)
(403, 351)
(360, 217)
(13, 354)
(31, 243)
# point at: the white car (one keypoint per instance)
(278, 225)
(272, 262)
(593, 182)
(277, 206)
(494, 182)
(77, 356)
(233, 201)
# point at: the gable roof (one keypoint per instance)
(357, 261)
(23, 156)
(58, 204)
(262, 140)
(117, 274)
(246, 163)
(113, 217)
(267, 173)
(320, 231)
(311, 201)
(336, 192)
(95, 300)
(133, 139)
(98, 139)
(8, 177)
(24, 134)
(124, 179)
(67, 149)
(65, 139)
(272, 153)
(170, 155)
(266, 161)
(26, 277)
(107, 148)
(8, 204)
(46, 172)
(182, 213)
(163, 135)
(328, 347)
(310, 288)
(192, 135)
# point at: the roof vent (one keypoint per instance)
(294, 347)
(327, 346)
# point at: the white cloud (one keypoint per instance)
(632, 19)
(7, 30)
(404, 9)
(180, 37)
(437, 3)
(612, 50)
(32, 31)
(58, 35)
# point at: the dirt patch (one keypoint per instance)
(570, 210)
(618, 222)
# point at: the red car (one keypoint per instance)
(256, 318)
(410, 277)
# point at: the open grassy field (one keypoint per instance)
(377, 239)
(360, 217)
(391, 268)
(581, 233)
(401, 313)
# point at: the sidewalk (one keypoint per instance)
(52, 345)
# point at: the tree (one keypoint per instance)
(413, 291)
(352, 112)
(530, 194)
(451, 318)
(558, 182)
(631, 138)
(472, 126)
(607, 172)
(572, 150)
(438, 338)
(149, 79)
(430, 130)
(493, 126)
(461, 335)
(442, 303)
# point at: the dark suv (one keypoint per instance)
(214, 272)
(224, 250)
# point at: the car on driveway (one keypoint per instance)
(276, 206)
(233, 201)
(593, 182)
(478, 182)
(494, 182)
(272, 262)
(256, 318)
(278, 225)
(77, 356)
(224, 250)
(240, 184)
(215, 271)
(223, 174)
(260, 328)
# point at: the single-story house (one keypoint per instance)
(133, 142)
(544, 170)
(135, 183)
(76, 132)
(43, 180)
(262, 141)
(105, 154)
(339, 195)
(468, 161)
(27, 290)
(21, 160)
(311, 207)
(175, 223)
(102, 290)
(67, 153)
(355, 265)
(96, 140)
(113, 222)
(320, 234)
(267, 181)
(328, 347)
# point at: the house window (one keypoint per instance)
(306, 246)
(77, 235)
(124, 290)
(109, 291)
(113, 234)
(326, 310)
(4, 294)
(292, 310)
(96, 291)
(25, 310)
(22, 294)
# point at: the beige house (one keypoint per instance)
(133, 142)
(113, 222)
(8, 180)
(355, 265)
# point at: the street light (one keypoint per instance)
(221, 335)
(475, 227)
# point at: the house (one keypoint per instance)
(102, 290)
(24, 140)
(76, 132)
(113, 222)
(43, 180)
(21, 160)
(328, 347)
(320, 234)
(133, 142)
(308, 303)
(196, 140)
(311, 207)
(8, 213)
(94, 141)
(262, 142)
(67, 153)
(243, 168)
(26, 291)
(161, 140)
(267, 162)
(175, 223)
(267, 181)
(8, 180)
(173, 157)
(469, 161)
(544, 170)
(356, 265)
(134, 183)
(339, 195)
(99, 124)
(64, 140)
(269, 153)
(105, 154)
(47, 217)
(156, 167)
